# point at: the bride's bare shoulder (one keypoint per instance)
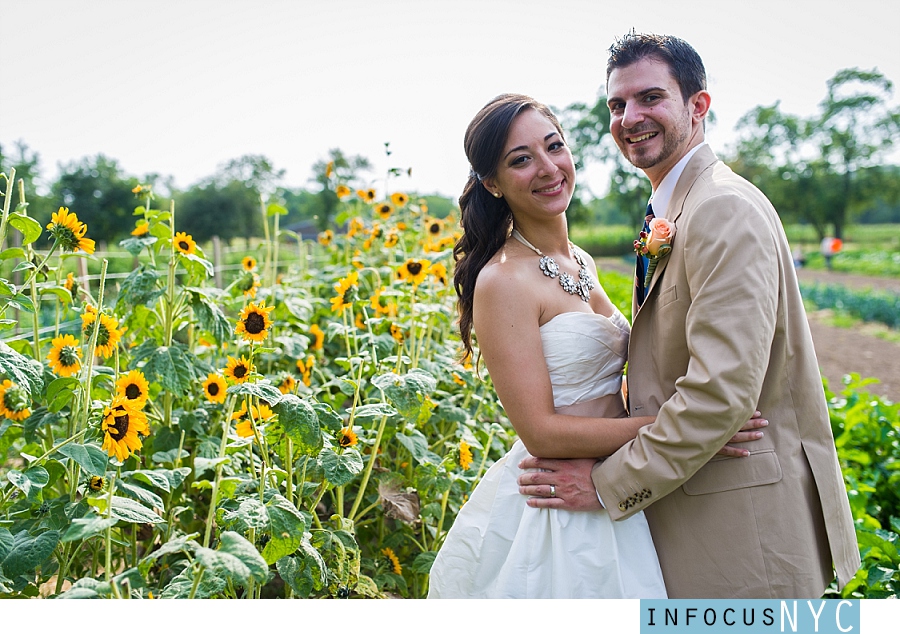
(504, 276)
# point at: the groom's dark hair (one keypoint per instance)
(683, 61)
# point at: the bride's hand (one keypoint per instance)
(747, 433)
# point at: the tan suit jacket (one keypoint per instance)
(722, 331)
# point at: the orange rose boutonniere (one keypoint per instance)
(655, 245)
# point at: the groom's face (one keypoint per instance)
(649, 119)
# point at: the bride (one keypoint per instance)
(555, 347)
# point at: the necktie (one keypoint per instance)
(640, 270)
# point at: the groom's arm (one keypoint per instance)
(731, 268)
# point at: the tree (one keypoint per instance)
(826, 168)
(100, 194)
(338, 168)
(227, 210)
(587, 129)
(27, 164)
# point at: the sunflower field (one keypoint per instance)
(307, 431)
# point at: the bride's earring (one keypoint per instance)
(497, 194)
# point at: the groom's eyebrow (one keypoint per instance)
(525, 147)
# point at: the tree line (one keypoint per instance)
(825, 170)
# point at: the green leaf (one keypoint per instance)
(134, 512)
(417, 445)
(29, 481)
(88, 526)
(22, 370)
(135, 244)
(184, 543)
(140, 287)
(140, 493)
(89, 457)
(173, 367)
(286, 529)
(423, 562)
(22, 302)
(407, 392)
(31, 229)
(340, 469)
(6, 543)
(61, 292)
(27, 552)
(157, 478)
(12, 252)
(328, 418)
(180, 587)
(375, 410)
(196, 265)
(236, 559)
(300, 423)
(250, 513)
(61, 391)
(261, 389)
(273, 210)
(210, 317)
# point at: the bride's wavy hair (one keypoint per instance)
(486, 221)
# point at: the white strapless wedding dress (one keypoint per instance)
(500, 548)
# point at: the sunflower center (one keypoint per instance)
(15, 399)
(414, 267)
(132, 392)
(102, 335)
(213, 389)
(184, 246)
(240, 371)
(254, 323)
(434, 228)
(119, 427)
(68, 356)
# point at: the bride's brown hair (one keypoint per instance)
(486, 221)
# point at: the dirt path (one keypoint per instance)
(841, 351)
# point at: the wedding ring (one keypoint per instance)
(553, 490)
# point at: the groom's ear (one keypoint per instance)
(699, 104)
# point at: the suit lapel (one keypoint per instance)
(702, 159)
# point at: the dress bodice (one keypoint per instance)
(586, 354)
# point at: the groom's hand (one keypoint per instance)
(561, 484)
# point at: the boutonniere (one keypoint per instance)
(655, 245)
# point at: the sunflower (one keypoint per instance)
(184, 243)
(248, 283)
(439, 271)
(14, 401)
(346, 292)
(262, 412)
(391, 238)
(305, 369)
(286, 383)
(397, 333)
(414, 271)
(325, 237)
(342, 191)
(134, 387)
(214, 387)
(69, 231)
(70, 283)
(465, 455)
(254, 322)
(396, 568)
(434, 227)
(123, 425)
(142, 229)
(356, 226)
(367, 195)
(65, 355)
(238, 370)
(108, 335)
(137, 189)
(384, 210)
(248, 263)
(329, 169)
(357, 260)
(458, 379)
(318, 336)
(399, 198)
(97, 483)
(346, 437)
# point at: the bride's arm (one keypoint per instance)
(506, 318)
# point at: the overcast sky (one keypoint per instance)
(179, 87)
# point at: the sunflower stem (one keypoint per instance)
(7, 199)
(91, 351)
(435, 544)
(368, 472)
(108, 565)
(215, 487)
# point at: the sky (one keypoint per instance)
(179, 87)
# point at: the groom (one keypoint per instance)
(722, 332)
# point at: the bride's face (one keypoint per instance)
(536, 173)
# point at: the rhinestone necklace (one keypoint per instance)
(550, 268)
